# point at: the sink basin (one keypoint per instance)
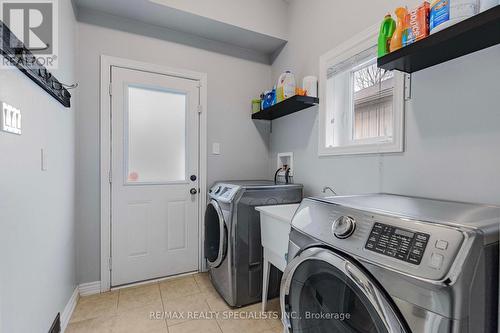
(275, 224)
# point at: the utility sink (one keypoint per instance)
(275, 225)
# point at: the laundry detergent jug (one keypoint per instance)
(285, 87)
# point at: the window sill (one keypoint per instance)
(362, 149)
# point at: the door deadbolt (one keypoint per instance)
(193, 178)
(193, 191)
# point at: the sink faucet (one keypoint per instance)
(328, 188)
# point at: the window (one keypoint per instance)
(156, 141)
(362, 105)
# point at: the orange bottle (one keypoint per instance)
(397, 38)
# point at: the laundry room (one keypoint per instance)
(249, 166)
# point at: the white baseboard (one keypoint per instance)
(90, 288)
(68, 309)
(84, 289)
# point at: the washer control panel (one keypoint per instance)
(414, 247)
(223, 192)
(397, 243)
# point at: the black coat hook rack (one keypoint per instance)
(18, 55)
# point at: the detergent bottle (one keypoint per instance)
(397, 37)
(285, 87)
(386, 31)
(445, 13)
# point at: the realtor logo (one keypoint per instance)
(34, 23)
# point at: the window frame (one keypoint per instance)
(127, 137)
(352, 47)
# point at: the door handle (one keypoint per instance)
(193, 191)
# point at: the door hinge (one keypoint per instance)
(110, 263)
(407, 85)
(110, 89)
(199, 108)
(110, 177)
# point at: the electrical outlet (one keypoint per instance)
(11, 119)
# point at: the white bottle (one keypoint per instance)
(285, 87)
(310, 85)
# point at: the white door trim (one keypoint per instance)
(105, 157)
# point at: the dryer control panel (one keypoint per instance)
(397, 243)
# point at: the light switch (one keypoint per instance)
(44, 159)
(11, 119)
(216, 148)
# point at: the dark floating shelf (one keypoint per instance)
(286, 107)
(18, 55)
(474, 34)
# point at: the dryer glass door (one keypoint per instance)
(324, 292)
(215, 234)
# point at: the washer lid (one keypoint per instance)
(430, 210)
(226, 191)
(259, 184)
(426, 250)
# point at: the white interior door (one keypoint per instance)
(154, 185)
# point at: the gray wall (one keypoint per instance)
(452, 122)
(37, 242)
(232, 83)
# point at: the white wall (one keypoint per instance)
(232, 83)
(452, 121)
(265, 16)
(37, 243)
(451, 138)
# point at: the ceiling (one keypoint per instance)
(158, 14)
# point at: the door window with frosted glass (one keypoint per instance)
(155, 141)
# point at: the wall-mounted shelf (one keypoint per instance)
(474, 34)
(288, 106)
(18, 55)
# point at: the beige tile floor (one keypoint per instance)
(182, 305)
